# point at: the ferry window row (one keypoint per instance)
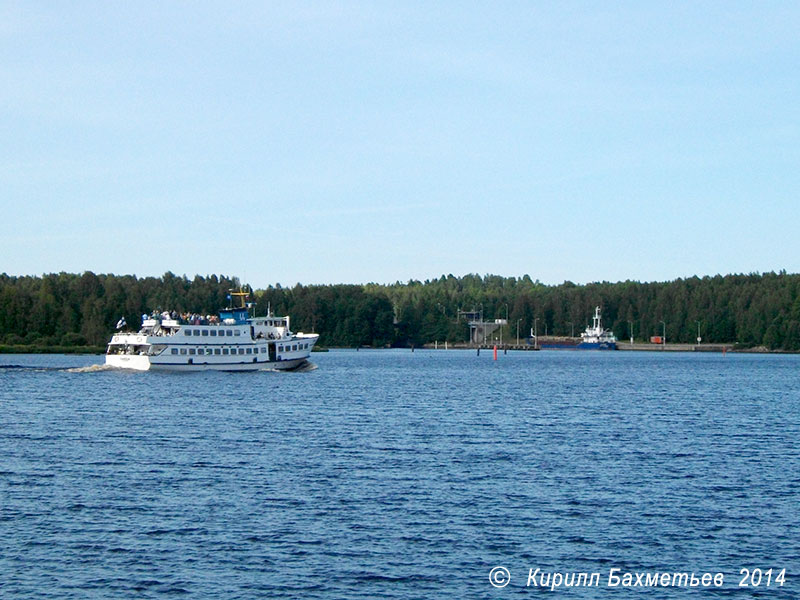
(293, 348)
(218, 351)
(229, 351)
(213, 332)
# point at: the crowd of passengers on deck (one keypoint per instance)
(185, 318)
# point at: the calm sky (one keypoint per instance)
(331, 142)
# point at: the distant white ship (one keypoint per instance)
(597, 338)
(594, 338)
(233, 342)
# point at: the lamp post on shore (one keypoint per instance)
(699, 339)
(483, 326)
(503, 326)
(630, 330)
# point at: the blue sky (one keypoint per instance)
(372, 141)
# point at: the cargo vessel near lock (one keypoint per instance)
(594, 338)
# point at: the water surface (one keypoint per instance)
(392, 474)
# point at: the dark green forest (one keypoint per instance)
(73, 310)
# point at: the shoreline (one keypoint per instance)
(24, 349)
(621, 347)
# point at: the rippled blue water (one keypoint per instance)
(392, 474)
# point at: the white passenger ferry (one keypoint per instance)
(234, 342)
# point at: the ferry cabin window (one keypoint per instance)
(216, 351)
(263, 350)
(188, 331)
(229, 332)
(237, 332)
(280, 348)
(174, 350)
(249, 351)
(209, 351)
(183, 350)
(241, 350)
(213, 333)
(191, 350)
(205, 332)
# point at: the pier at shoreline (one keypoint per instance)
(621, 346)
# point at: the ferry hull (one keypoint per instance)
(128, 361)
(143, 363)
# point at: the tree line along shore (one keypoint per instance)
(69, 312)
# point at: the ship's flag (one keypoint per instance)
(121, 323)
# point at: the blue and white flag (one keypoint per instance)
(121, 323)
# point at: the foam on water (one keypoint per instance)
(90, 369)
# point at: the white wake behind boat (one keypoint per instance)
(237, 342)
